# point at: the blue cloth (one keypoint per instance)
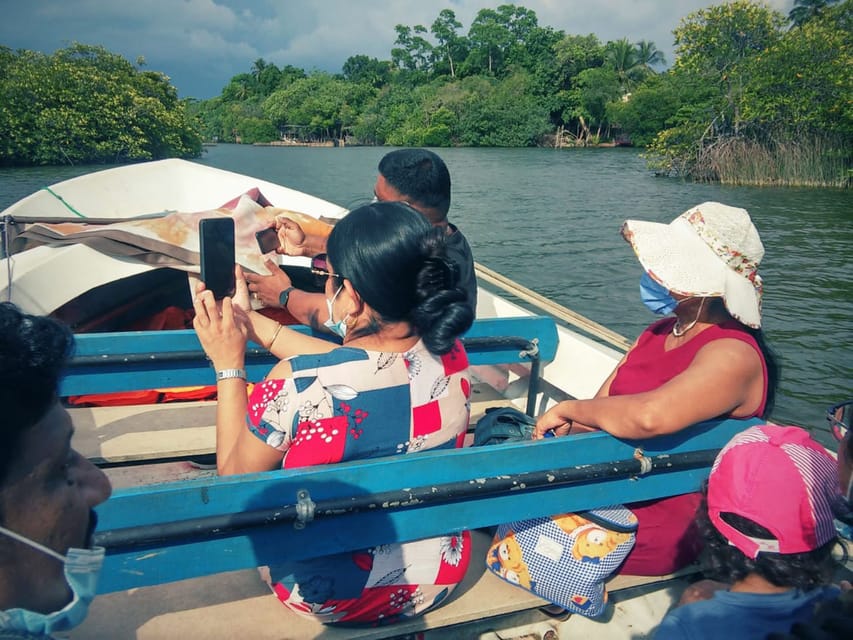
(742, 616)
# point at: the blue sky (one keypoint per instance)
(201, 44)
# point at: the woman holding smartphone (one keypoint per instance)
(399, 384)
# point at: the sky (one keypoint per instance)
(201, 44)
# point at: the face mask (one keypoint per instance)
(655, 296)
(82, 568)
(338, 328)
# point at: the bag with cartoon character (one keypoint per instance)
(565, 558)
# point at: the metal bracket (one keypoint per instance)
(644, 460)
(532, 350)
(304, 509)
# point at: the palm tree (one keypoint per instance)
(805, 10)
(621, 56)
(648, 55)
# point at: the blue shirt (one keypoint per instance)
(742, 616)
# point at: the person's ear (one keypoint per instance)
(355, 301)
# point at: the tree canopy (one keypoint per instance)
(746, 80)
(84, 104)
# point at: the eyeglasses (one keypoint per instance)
(839, 418)
(320, 270)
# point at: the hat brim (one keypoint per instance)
(675, 256)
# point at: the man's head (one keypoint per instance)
(47, 489)
(770, 501)
(416, 176)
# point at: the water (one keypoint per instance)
(550, 220)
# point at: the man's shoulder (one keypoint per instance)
(456, 241)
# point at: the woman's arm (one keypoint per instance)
(222, 330)
(725, 377)
(284, 342)
(281, 341)
(238, 450)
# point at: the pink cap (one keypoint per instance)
(779, 478)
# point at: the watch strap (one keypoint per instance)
(225, 374)
(284, 296)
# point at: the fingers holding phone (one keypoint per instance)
(222, 330)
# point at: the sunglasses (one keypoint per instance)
(320, 270)
(839, 418)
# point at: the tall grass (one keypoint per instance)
(807, 162)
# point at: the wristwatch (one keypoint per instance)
(284, 296)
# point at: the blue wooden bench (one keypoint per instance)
(129, 361)
(160, 533)
(121, 362)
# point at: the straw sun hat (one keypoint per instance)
(710, 250)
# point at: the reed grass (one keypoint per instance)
(808, 162)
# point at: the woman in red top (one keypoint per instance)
(708, 361)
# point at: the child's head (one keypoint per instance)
(769, 510)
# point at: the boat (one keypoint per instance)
(159, 584)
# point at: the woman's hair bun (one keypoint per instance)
(437, 274)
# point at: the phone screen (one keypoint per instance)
(267, 240)
(216, 243)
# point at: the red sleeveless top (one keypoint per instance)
(667, 539)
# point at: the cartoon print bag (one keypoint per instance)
(565, 558)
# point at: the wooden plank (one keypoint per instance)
(195, 608)
(478, 468)
(113, 435)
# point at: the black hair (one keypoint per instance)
(722, 561)
(33, 351)
(771, 361)
(774, 369)
(420, 175)
(397, 262)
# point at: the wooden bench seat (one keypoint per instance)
(115, 436)
(194, 609)
(119, 362)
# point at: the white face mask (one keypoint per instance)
(338, 328)
(82, 568)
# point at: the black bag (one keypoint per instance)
(501, 425)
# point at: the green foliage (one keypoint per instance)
(803, 82)
(594, 89)
(451, 48)
(84, 104)
(720, 37)
(364, 70)
(576, 53)
(805, 10)
(323, 104)
(778, 110)
(500, 113)
(666, 100)
(741, 84)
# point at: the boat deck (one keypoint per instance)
(239, 605)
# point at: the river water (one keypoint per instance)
(550, 220)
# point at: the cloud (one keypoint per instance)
(201, 44)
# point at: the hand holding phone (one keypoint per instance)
(216, 246)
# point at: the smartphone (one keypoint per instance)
(216, 245)
(267, 239)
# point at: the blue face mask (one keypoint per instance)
(338, 328)
(656, 296)
(82, 568)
